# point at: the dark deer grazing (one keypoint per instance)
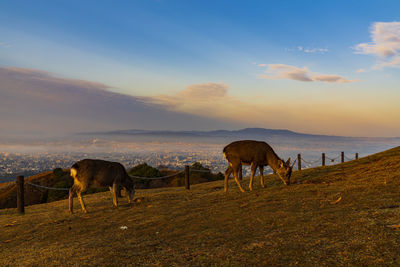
(256, 154)
(99, 173)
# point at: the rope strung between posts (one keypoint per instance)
(156, 178)
(164, 177)
(332, 159)
(7, 186)
(311, 162)
(136, 177)
(50, 188)
(347, 158)
(200, 170)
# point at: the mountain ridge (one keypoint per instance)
(250, 132)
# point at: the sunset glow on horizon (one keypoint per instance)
(313, 67)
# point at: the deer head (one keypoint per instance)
(130, 189)
(284, 171)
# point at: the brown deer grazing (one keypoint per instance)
(256, 154)
(99, 173)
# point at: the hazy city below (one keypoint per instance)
(174, 150)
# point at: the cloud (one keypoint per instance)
(312, 50)
(308, 50)
(195, 99)
(38, 101)
(282, 71)
(271, 110)
(6, 45)
(214, 101)
(205, 91)
(385, 44)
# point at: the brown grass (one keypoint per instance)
(335, 215)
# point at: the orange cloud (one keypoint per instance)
(385, 44)
(213, 100)
(282, 71)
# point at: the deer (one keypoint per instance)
(256, 154)
(99, 173)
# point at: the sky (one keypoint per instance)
(322, 67)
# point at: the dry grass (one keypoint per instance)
(335, 215)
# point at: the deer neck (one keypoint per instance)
(273, 161)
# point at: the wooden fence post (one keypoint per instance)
(323, 159)
(187, 181)
(356, 155)
(342, 154)
(299, 162)
(20, 194)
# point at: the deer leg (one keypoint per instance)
(261, 169)
(71, 199)
(253, 171)
(235, 174)
(114, 193)
(111, 190)
(129, 194)
(119, 191)
(240, 172)
(81, 201)
(227, 173)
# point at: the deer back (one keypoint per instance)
(249, 151)
(98, 172)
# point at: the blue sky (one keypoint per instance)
(270, 58)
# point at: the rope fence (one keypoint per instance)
(311, 162)
(7, 186)
(168, 176)
(20, 179)
(156, 178)
(332, 159)
(348, 158)
(323, 159)
(46, 187)
(194, 170)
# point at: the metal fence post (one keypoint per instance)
(323, 159)
(342, 154)
(356, 155)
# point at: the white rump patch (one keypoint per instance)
(73, 173)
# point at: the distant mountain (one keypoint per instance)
(257, 132)
(50, 105)
(242, 133)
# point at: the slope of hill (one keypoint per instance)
(34, 195)
(336, 215)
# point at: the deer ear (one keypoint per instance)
(288, 161)
(294, 162)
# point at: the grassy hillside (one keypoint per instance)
(336, 215)
(34, 195)
(61, 179)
